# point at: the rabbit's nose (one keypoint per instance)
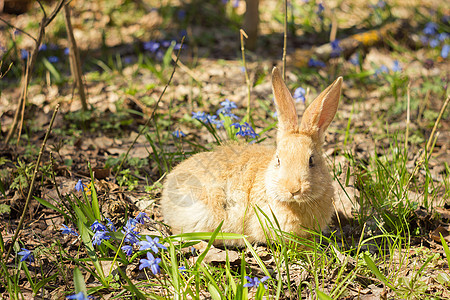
(295, 189)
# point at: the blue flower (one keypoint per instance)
(26, 254)
(423, 39)
(227, 104)
(24, 53)
(320, 8)
(245, 130)
(430, 28)
(381, 4)
(152, 244)
(434, 43)
(396, 66)
(67, 230)
(255, 282)
(212, 120)
(66, 51)
(151, 262)
(127, 249)
(443, 36)
(178, 134)
(99, 237)
(226, 108)
(151, 46)
(79, 296)
(166, 44)
(181, 14)
(110, 225)
(182, 269)
(445, 50)
(299, 94)
(43, 47)
(131, 235)
(316, 63)
(142, 217)
(381, 69)
(80, 186)
(336, 49)
(53, 59)
(97, 226)
(201, 116)
(235, 3)
(355, 59)
(182, 33)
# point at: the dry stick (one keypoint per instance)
(247, 79)
(431, 140)
(26, 79)
(25, 95)
(153, 112)
(74, 58)
(186, 69)
(17, 28)
(285, 40)
(30, 191)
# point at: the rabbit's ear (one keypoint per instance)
(287, 114)
(321, 111)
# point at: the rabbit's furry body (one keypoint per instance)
(290, 181)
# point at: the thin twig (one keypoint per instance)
(26, 79)
(30, 191)
(18, 29)
(186, 69)
(285, 40)
(25, 95)
(74, 58)
(247, 79)
(431, 141)
(153, 112)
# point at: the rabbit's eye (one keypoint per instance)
(311, 161)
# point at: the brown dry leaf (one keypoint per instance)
(435, 234)
(216, 255)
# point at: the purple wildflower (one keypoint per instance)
(152, 244)
(26, 255)
(316, 63)
(67, 230)
(178, 134)
(255, 282)
(151, 262)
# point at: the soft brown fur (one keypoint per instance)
(230, 182)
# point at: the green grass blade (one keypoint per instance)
(131, 287)
(94, 198)
(446, 250)
(28, 275)
(85, 237)
(78, 281)
(322, 296)
(215, 294)
(51, 68)
(210, 242)
(51, 206)
(212, 285)
(371, 265)
(257, 258)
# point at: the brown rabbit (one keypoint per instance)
(291, 180)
